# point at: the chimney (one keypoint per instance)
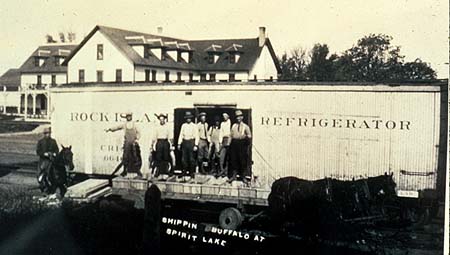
(160, 30)
(262, 36)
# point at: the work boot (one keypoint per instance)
(232, 179)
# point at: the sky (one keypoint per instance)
(420, 27)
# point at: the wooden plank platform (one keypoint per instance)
(86, 188)
(202, 191)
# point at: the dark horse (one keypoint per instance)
(58, 175)
(315, 205)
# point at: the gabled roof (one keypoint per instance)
(48, 53)
(125, 39)
(11, 79)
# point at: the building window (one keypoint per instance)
(99, 76)
(154, 75)
(191, 77)
(203, 77)
(231, 77)
(99, 51)
(146, 52)
(179, 76)
(179, 58)
(163, 55)
(81, 75)
(39, 80)
(211, 59)
(190, 57)
(118, 75)
(36, 62)
(167, 76)
(53, 79)
(147, 74)
(232, 58)
(212, 77)
(57, 61)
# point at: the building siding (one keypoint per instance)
(86, 59)
(283, 144)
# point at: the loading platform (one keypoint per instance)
(201, 189)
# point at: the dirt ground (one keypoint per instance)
(97, 229)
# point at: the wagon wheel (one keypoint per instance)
(417, 216)
(390, 209)
(230, 218)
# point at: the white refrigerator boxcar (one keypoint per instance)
(309, 131)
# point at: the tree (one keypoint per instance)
(372, 59)
(418, 70)
(49, 39)
(321, 67)
(293, 66)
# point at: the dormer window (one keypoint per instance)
(39, 62)
(58, 61)
(214, 52)
(211, 59)
(232, 58)
(146, 52)
(234, 53)
(163, 55)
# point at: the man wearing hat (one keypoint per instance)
(203, 142)
(161, 145)
(239, 149)
(215, 135)
(225, 129)
(131, 158)
(46, 149)
(187, 143)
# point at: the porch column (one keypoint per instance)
(34, 103)
(25, 108)
(48, 105)
(5, 99)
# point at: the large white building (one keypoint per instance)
(115, 55)
(27, 87)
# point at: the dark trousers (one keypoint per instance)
(202, 153)
(214, 158)
(239, 158)
(131, 158)
(44, 166)
(187, 156)
(162, 156)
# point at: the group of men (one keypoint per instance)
(221, 150)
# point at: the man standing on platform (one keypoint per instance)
(215, 135)
(239, 149)
(162, 145)
(131, 158)
(203, 143)
(225, 129)
(187, 143)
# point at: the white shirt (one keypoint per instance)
(225, 128)
(188, 132)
